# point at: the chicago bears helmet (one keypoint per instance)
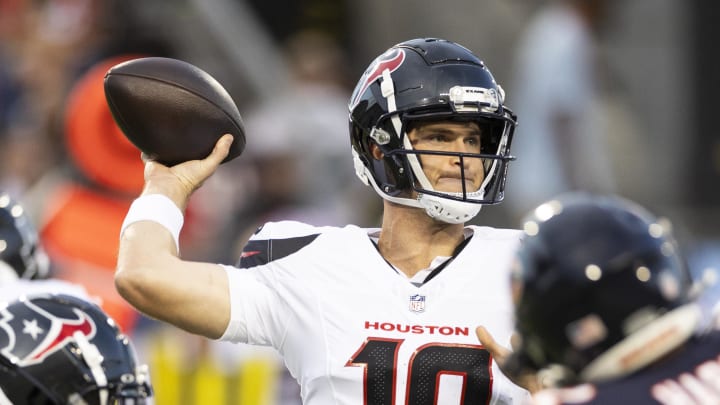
(21, 255)
(59, 349)
(597, 283)
(428, 80)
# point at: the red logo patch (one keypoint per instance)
(29, 333)
(390, 60)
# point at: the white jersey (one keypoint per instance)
(352, 330)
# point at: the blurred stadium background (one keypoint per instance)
(290, 66)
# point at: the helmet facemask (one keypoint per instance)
(461, 206)
(447, 206)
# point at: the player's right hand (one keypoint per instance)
(180, 181)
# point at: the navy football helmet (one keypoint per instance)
(59, 349)
(592, 276)
(428, 80)
(21, 255)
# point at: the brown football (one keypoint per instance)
(172, 110)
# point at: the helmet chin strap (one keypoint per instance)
(442, 209)
(446, 210)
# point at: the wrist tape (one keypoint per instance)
(159, 209)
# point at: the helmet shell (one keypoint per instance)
(590, 272)
(429, 76)
(20, 247)
(45, 356)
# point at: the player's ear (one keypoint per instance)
(376, 152)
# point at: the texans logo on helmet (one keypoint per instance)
(29, 334)
(390, 60)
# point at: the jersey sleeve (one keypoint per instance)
(276, 240)
(256, 310)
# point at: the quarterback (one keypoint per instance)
(362, 315)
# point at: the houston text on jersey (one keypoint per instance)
(418, 329)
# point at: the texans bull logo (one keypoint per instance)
(29, 334)
(390, 60)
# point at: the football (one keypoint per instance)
(172, 110)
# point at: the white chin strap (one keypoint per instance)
(446, 210)
(442, 209)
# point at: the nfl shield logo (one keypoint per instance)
(417, 303)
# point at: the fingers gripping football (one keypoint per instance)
(178, 182)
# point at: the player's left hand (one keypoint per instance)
(526, 379)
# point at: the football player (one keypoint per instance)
(60, 349)
(21, 256)
(24, 266)
(56, 345)
(362, 315)
(604, 310)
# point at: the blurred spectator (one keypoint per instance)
(297, 145)
(559, 141)
(59, 146)
(298, 140)
(45, 46)
(83, 200)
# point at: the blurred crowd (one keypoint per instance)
(62, 156)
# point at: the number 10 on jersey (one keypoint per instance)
(379, 358)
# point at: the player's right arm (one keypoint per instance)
(153, 278)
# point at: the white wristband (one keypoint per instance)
(159, 209)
